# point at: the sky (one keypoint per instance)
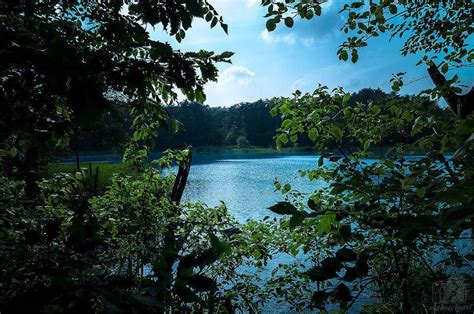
(267, 65)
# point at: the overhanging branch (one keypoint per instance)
(462, 105)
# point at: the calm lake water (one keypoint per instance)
(245, 181)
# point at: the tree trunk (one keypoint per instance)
(181, 179)
(461, 105)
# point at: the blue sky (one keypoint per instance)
(266, 65)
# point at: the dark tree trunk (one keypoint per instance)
(181, 180)
(461, 105)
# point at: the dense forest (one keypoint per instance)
(372, 235)
(242, 125)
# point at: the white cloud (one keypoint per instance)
(327, 4)
(308, 42)
(236, 75)
(252, 3)
(233, 86)
(289, 39)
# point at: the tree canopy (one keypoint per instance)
(64, 62)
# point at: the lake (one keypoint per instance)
(242, 180)
(245, 181)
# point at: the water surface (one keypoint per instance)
(245, 182)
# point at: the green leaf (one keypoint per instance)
(345, 232)
(225, 27)
(284, 208)
(317, 10)
(444, 67)
(346, 255)
(318, 273)
(337, 133)
(312, 204)
(214, 22)
(343, 55)
(200, 282)
(346, 98)
(200, 97)
(185, 294)
(289, 21)
(225, 55)
(325, 223)
(296, 219)
(354, 56)
(392, 8)
(219, 246)
(466, 127)
(342, 293)
(159, 49)
(351, 274)
(271, 25)
(319, 298)
(320, 161)
(420, 192)
(283, 138)
(312, 134)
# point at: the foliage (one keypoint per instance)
(382, 224)
(78, 250)
(220, 126)
(106, 172)
(64, 63)
(395, 211)
(68, 244)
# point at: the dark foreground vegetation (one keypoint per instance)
(379, 234)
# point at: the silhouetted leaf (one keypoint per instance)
(283, 208)
(296, 219)
(346, 255)
(200, 283)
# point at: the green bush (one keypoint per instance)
(106, 171)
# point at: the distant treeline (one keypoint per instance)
(245, 124)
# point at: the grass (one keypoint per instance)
(106, 171)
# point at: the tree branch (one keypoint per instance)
(461, 105)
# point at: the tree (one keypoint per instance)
(66, 247)
(379, 224)
(64, 62)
